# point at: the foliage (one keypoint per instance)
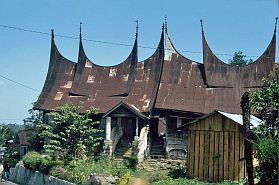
(70, 134)
(6, 134)
(177, 172)
(239, 59)
(183, 181)
(36, 162)
(125, 178)
(267, 154)
(78, 171)
(265, 102)
(157, 176)
(132, 162)
(34, 119)
(31, 124)
(12, 156)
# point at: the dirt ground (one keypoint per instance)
(137, 181)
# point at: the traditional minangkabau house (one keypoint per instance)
(145, 103)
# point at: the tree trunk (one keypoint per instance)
(247, 137)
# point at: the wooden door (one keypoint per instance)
(129, 128)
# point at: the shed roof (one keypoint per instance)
(235, 117)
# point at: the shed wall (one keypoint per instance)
(216, 149)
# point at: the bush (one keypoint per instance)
(78, 171)
(32, 161)
(157, 176)
(46, 165)
(267, 154)
(125, 178)
(36, 162)
(132, 162)
(177, 172)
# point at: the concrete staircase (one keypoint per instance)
(161, 164)
(157, 149)
(123, 149)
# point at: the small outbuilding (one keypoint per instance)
(216, 146)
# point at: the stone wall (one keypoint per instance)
(21, 175)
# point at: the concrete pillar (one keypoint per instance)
(108, 127)
(137, 128)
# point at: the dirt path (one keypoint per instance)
(137, 181)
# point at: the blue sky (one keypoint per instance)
(230, 25)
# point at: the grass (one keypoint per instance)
(183, 181)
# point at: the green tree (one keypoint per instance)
(31, 124)
(239, 59)
(71, 134)
(265, 102)
(6, 134)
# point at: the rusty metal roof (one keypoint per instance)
(166, 80)
(131, 108)
(220, 74)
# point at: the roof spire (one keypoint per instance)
(166, 25)
(52, 34)
(163, 26)
(80, 30)
(202, 26)
(275, 24)
(137, 28)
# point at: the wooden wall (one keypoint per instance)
(216, 149)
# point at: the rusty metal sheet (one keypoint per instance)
(220, 74)
(165, 81)
(58, 81)
(113, 80)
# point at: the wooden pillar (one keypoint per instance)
(119, 121)
(247, 137)
(108, 128)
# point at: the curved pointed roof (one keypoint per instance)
(180, 81)
(58, 81)
(220, 74)
(166, 80)
(90, 78)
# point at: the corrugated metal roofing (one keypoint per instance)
(235, 117)
(166, 80)
(238, 118)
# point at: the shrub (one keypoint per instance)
(157, 176)
(36, 162)
(267, 154)
(46, 165)
(132, 162)
(177, 172)
(32, 161)
(125, 178)
(78, 171)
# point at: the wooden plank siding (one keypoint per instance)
(216, 149)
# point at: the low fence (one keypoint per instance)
(21, 175)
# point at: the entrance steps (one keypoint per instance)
(157, 149)
(161, 164)
(123, 149)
